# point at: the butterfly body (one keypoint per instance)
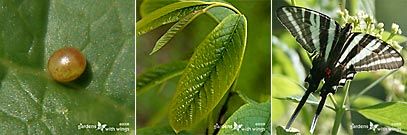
(337, 53)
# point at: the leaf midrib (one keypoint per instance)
(215, 63)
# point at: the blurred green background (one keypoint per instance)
(254, 79)
(290, 65)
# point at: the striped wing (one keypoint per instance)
(314, 31)
(364, 52)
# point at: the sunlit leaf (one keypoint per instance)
(249, 119)
(168, 14)
(389, 113)
(365, 101)
(209, 74)
(178, 26)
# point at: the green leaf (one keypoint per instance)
(398, 38)
(209, 74)
(175, 29)
(217, 13)
(159, 74)
(168, 14)
(365, 101)
(389, 113)
(292, 131)
(249, 119)
(30, 31)
(148, 6)
(284, 86)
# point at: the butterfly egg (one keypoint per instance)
(66, 64)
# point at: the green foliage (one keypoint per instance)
(209, 75)
(30, 31)
(389, 113)
(249, 119)
(168, 14)
(159, 74)
(206, 93)
(159, 130)
(281, 131)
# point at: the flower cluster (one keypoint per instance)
(365, 23)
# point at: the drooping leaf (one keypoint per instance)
(30, 31)
(178, 26)
(249, 119)
(209, 74)
(389, 113)
(159, 74)
(168, 14)
(217, 13)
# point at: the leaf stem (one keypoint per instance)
(293, 2)
(353, 7)
(333, 101)
(220, 4)
(340, 109)
(342, 4)
(353, 98)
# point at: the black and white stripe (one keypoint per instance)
(337, 53)
(314, 31)
(367, 53)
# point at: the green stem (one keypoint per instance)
(220, 4)
(348, 118)
(353, 7)
(333, 100)
(340, 110)
(342, 4)
(353, 98)
(293, 2)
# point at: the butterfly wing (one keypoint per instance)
(314, 31)
(364, 52)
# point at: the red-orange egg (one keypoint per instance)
(66, 64)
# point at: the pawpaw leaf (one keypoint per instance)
(168, 14)
(211, 71)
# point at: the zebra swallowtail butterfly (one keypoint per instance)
(337, 53)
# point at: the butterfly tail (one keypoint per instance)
(319, 109)
(297, 110)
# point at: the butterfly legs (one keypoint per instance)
(319, 109)
(297, 110)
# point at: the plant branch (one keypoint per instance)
(340, 109)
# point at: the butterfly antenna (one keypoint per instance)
(319, 109)
(297, 110)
